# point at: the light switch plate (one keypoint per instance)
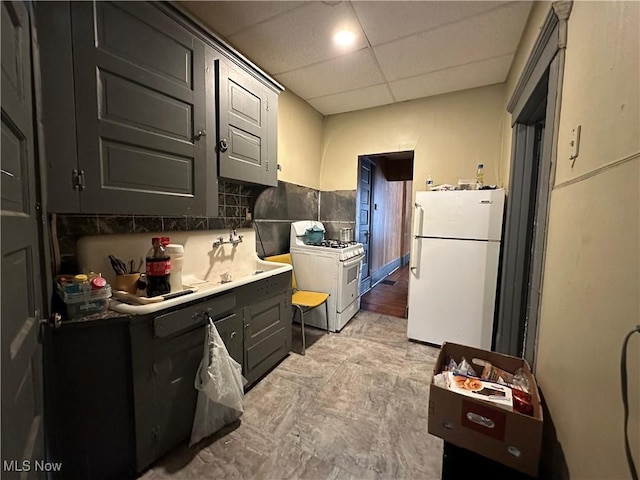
(575, 143)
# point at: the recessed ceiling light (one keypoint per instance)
(344, 38)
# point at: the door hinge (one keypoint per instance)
(77, 179)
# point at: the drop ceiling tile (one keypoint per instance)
(299, 37)
(345, 73)
(367, 97)
(227, 18)
(488, 35)
(472, 75)
(386, 21)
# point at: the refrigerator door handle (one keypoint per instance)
(415, 255)
(417, 230)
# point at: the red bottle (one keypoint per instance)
(158, 268)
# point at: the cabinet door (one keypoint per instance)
(53, 22)
(140, 111)
(247, 144)
(176, 362)
(89, 402)
(230, 329)
(267, 335)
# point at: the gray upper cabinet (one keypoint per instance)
(140, 111)
(143, 110)
(247, 147)
(126, 112)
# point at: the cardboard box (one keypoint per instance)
(508, 437)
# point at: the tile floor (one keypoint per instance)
(355, 407)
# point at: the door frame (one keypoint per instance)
(521, 284)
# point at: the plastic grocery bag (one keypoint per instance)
(220, 388)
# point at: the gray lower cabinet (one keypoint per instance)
(267, 335)
(247, 146)
(120, 393)
(88, 400)
(230, 329)
(254, 322)
(166, 352)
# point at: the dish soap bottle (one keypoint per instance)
(480, 177)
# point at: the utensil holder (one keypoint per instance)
(127, 283)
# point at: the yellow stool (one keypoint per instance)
(304, 300)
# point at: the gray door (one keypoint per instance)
(140, 110)
(364, 219)
(22, 427)
(245, 112)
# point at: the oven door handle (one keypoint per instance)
(352, 261)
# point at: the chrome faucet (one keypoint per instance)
(233, 239)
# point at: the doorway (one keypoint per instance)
(535, 112)
(383, 224)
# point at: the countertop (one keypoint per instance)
(267, 269)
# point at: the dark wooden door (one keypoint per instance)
(22, 420)
(365, 182)
(140, 111)
(247, 113)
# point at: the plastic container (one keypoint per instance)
(480, 176)
(176, 252)
(429, 183)
(85, 303)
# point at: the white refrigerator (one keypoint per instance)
(454, 266)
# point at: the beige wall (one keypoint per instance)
(591, 283)
(299, 141)
(449, 134)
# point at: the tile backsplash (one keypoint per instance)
(233, 202)
(276, 208)
(272, 209)
(337, 210)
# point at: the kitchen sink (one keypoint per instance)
(204, 289)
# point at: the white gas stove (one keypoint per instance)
(327, 266)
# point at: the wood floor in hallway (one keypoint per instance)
(389, 299)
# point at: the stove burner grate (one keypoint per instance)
(331, 244)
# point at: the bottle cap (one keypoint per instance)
(80, 278)
(98, 282)
(165, 241)
(480, 165)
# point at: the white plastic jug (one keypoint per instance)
(176, 252)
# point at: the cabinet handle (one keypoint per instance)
(223, 145)
(233, 334)
(200, 134)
